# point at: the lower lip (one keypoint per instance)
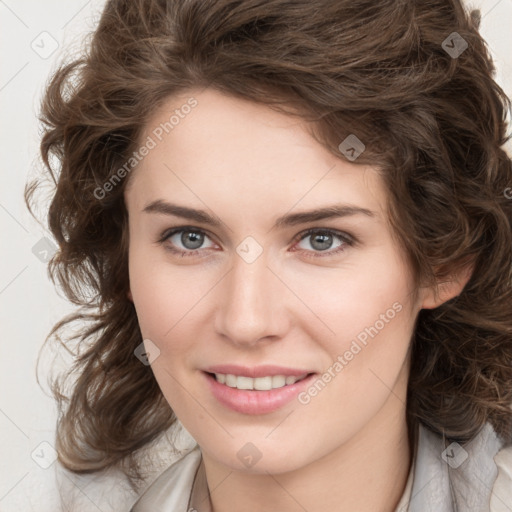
(256, 402)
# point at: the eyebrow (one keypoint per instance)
(291, 219)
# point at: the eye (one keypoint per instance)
(188, 241)
(322, 240)
(191, 239)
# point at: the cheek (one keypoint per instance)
(373, 336)
(374, 292)
(373, 322)
(166, 297)
(367, 319)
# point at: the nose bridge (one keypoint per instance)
(249, 309)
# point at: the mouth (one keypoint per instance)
(256, 396)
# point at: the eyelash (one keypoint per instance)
(347, 240)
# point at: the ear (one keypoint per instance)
(447, 288)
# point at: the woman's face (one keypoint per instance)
(244, 284)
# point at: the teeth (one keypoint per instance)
(260, 383)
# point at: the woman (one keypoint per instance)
(293, 220)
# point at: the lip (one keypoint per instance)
(256, 402)
(256, 371)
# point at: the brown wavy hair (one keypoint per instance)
(432, 122)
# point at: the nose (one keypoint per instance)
(251, 304)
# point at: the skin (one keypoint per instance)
(295, 305)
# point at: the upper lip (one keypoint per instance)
(256, 371)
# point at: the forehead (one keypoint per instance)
(230, 146)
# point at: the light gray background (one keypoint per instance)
(29, 304)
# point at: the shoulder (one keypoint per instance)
(171, 489)
(476, 475)
(501, 497)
